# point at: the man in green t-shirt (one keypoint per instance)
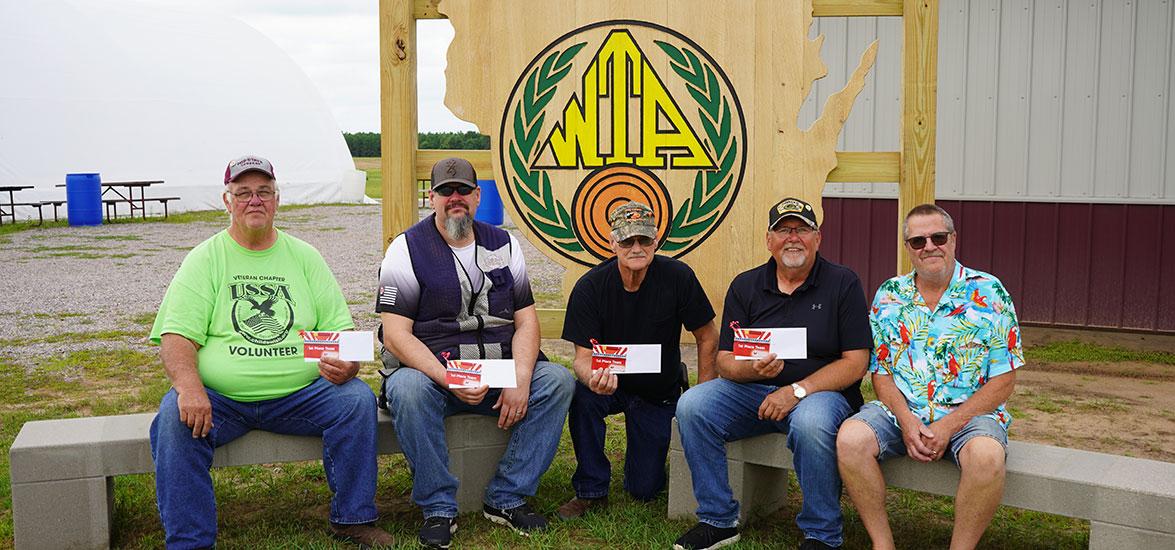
(228, 327)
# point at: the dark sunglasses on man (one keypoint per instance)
(644, 241)
(447, 190)
(919, 242)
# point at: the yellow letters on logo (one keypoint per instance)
(618, 73)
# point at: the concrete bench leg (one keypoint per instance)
(75, 513)
(1106, 536)
(474, 453)
(760, 490)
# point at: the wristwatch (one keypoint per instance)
(799, 391)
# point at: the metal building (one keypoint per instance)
(1055, 127)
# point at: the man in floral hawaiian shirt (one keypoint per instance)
(946, 344)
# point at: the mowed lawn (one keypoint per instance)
(286, 505)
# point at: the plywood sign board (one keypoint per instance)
(689, 106)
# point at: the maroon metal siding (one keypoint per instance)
(1093, 265)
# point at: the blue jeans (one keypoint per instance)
(718, 411)
(647, 425)
(419, 407)
(343, 415)
(889, 433)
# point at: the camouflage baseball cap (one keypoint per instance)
(632, 219)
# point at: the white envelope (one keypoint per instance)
(495, 373)
(641, 359)
(786, 343)
(357, 345)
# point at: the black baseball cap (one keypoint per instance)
(794, 207)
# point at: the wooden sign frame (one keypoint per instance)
(913, 167)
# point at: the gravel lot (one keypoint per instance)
(113, 277)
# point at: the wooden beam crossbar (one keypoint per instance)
(427, 9)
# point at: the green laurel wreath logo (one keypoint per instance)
(534, 188)
(711, 187)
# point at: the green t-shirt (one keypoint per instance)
(245, 308)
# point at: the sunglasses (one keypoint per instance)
(919, 242)
(447, 190)
(644, 241)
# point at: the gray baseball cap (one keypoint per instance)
(453, 170)
(247, 163)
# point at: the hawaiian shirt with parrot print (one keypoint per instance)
(940, 358)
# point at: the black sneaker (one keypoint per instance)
(813, 544)
(522, 519)
(437, 532)
(705, 536)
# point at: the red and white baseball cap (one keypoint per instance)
(247, 163)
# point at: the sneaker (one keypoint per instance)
(366, 535)
(437, 532)
(577, 507)
(522, 519)
(813, 544)
(705, 536)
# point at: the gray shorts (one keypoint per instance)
(891, 444)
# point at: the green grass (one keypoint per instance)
(286, 505)
(374, 188)
(1067, 352)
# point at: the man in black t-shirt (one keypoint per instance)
(637, 297)
(807, 399)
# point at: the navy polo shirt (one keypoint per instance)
(830, 304)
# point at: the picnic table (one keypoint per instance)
(118, 197)
(123, 192)
(11, 204)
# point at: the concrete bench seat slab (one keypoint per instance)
(62, 471)
(1130, 502)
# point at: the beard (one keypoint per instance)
(458, 228)
(792, 259)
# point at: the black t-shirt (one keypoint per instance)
(830, 304)
(669, 297)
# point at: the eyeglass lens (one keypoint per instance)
(801, 230)
(447, 190)
(629, 242)
(919, 242)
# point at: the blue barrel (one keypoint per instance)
(83, 199)
(490, 209)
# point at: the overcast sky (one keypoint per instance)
(336, 42)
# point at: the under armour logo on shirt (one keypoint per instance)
(817, 306)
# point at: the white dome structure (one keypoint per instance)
(135, 92)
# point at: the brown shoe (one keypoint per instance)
(366, 535)
(577, 507)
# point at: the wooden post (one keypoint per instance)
(397, 59)
(919, 97)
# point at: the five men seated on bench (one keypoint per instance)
(945, 345)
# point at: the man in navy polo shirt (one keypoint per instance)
(805, 398)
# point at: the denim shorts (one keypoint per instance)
(891, 444)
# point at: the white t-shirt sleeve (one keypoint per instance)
(399, 291)
(523, 297)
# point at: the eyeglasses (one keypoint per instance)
(919, 242)
(265, 195)
(644, 241)
(447, 190)
(802, 230)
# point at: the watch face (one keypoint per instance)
(799, 391)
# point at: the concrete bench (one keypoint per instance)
(1129, 502)
(63, 470)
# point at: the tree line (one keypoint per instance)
(366, 144)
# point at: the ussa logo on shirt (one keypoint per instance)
(262, 312)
